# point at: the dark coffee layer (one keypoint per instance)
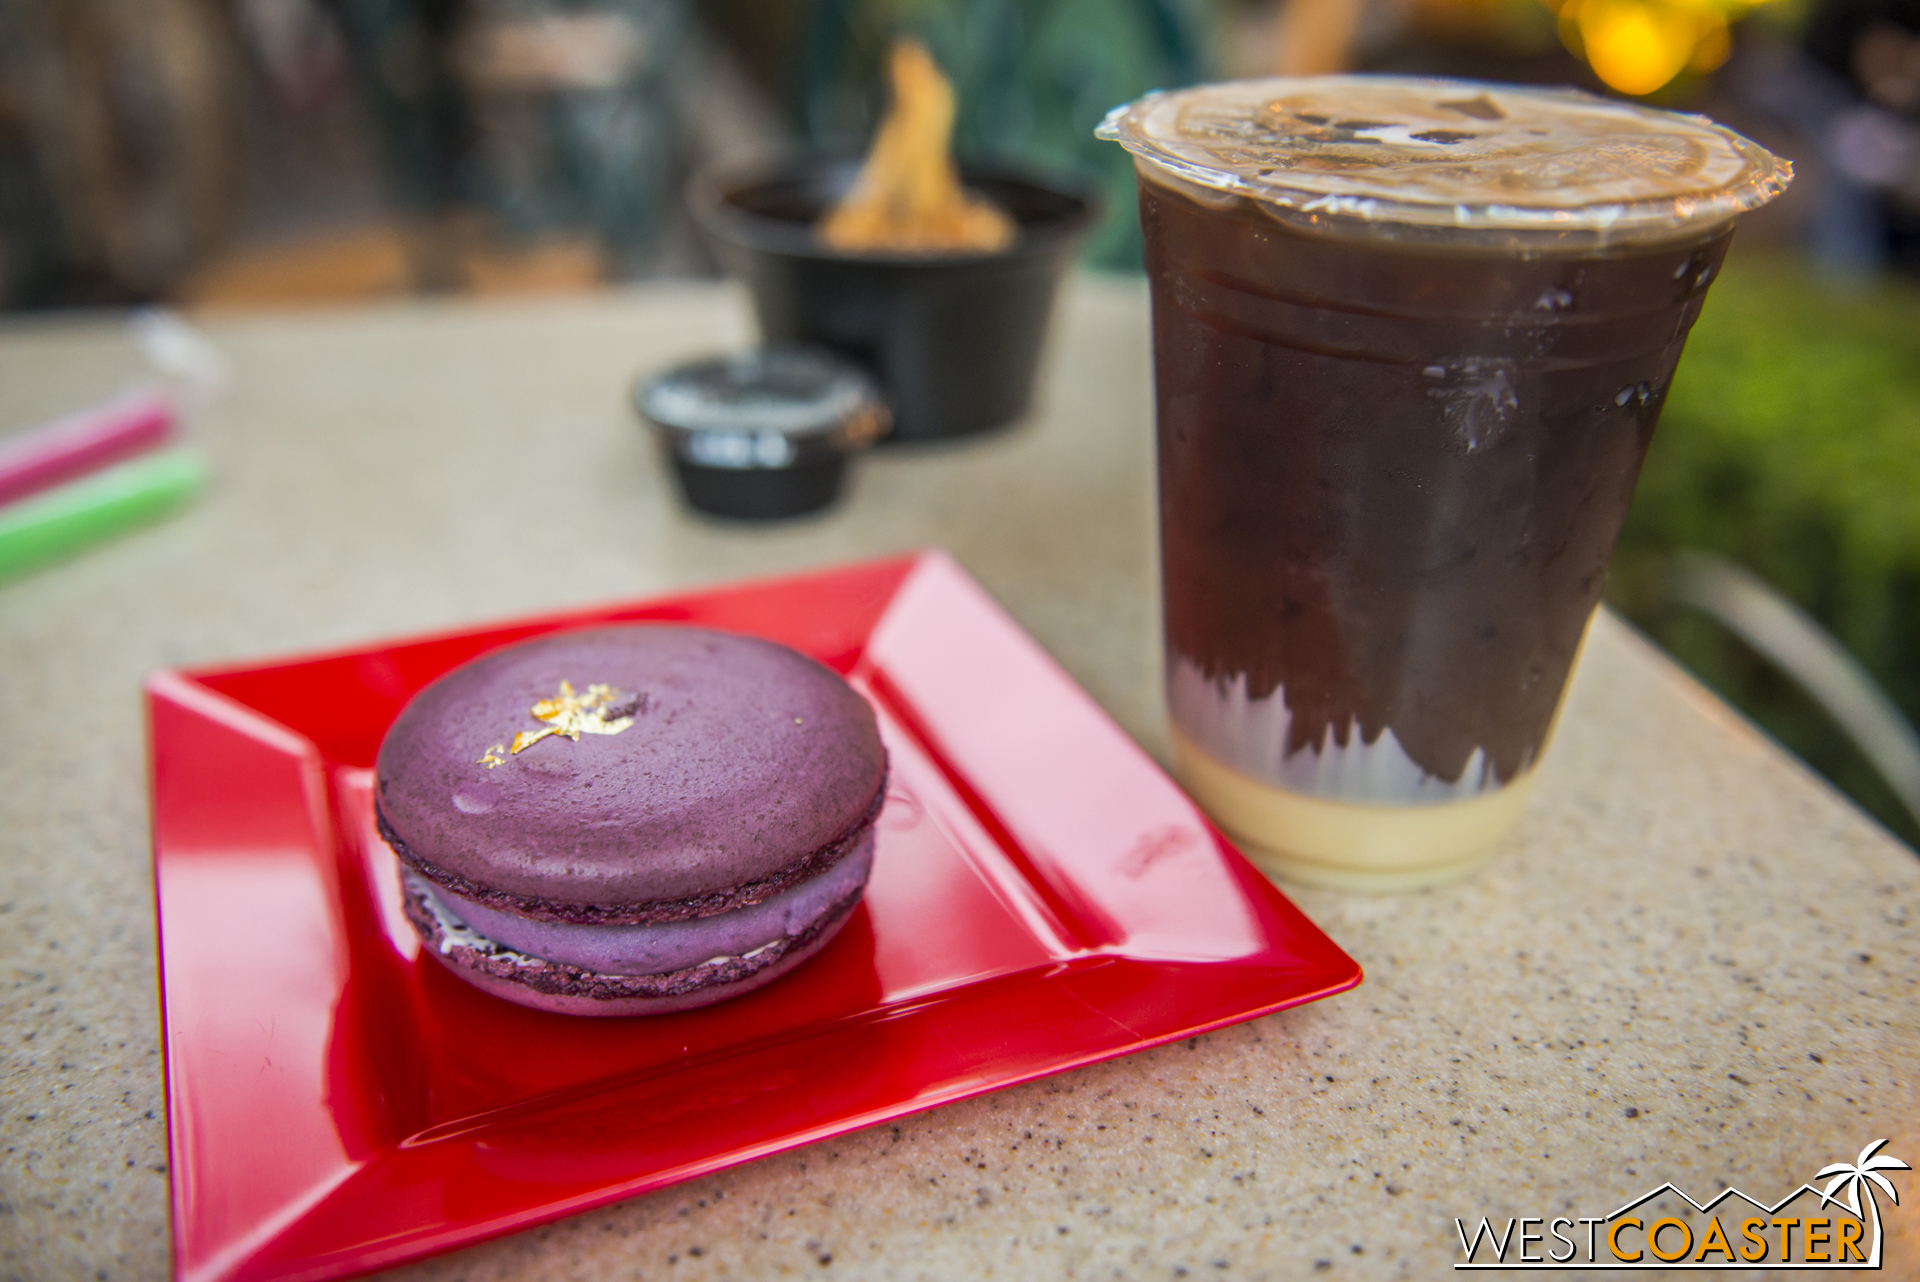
(1390, 481)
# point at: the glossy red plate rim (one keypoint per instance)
(337, 1103)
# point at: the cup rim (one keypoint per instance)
(712, 192)
(1372, 205)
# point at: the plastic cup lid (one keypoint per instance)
(775, 408)
(1488, 163)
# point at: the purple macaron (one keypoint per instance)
(629, 820)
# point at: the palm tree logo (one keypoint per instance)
(1863, 1172)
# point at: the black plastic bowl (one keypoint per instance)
(954, 339)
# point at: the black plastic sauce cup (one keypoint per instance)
(765, 434)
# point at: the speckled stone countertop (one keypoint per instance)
(1693, 962)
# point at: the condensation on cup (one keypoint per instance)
(1411, 338)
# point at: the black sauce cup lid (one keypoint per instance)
(765, 433)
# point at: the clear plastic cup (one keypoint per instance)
(1411, 338)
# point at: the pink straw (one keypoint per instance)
(84, 442)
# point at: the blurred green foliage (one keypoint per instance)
(1791, 443)
(1033, 78)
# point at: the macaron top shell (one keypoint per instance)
(742, 759)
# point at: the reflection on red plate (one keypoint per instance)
(1043, 897)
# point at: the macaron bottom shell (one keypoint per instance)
(560, 988)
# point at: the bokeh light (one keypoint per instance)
(1639, 46)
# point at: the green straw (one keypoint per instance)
(48, 526)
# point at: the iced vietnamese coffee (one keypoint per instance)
(1411, 339)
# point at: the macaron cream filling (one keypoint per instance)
(453, 886)
(651, 948)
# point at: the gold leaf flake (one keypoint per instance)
(601, 710)
(494, 756)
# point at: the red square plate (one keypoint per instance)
(1043, 897)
